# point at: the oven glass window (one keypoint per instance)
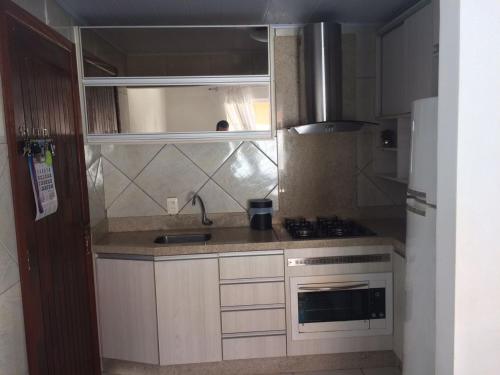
(343, 305)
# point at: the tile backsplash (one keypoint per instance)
(138, 179)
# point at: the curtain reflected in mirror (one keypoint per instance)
(178, 109)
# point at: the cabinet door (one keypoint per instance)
(435, 22)
(419, 72)
(189, 326)
(127, 310)
(399, 264)
(393, 80)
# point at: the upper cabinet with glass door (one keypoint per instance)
(176, 83)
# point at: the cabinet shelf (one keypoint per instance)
(392, 178)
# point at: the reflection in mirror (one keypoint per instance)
(178, 109)
(177, 51)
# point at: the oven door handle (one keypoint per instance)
(333, 288)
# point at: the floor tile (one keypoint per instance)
(382, 371)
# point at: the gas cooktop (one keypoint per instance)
(325, 227)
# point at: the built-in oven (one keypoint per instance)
(339, 299)
(341, 305)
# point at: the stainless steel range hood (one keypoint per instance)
(323, 81)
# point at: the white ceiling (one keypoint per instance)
(232, 12)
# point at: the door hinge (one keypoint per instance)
(28, 260)
(86, 241)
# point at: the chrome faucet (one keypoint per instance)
(204, 218)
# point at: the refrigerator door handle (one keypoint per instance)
(421, 201)
(415, 210)
(417, 194)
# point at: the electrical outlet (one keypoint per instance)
(172, 206)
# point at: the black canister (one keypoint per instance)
(260, 212)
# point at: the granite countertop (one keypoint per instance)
(389, 232)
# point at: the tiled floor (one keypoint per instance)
(365, 371)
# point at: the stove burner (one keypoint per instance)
(325, 227)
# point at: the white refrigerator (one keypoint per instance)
(420, 284)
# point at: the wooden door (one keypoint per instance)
(41, 92)
(188, 305)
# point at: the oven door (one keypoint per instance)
(344, 305)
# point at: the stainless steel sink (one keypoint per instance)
(183, 238)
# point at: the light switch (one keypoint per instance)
(172, 206)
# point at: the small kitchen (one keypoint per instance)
(261, 193)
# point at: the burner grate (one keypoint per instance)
(325, 227)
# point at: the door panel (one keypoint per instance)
(40, 92)
(188, 305)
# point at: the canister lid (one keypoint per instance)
(260, 203)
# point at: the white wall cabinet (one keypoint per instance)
(189, 325)
(419, 47)
(127, 310)
(394, 96)
(406, 62)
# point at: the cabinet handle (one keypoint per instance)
(333, 288)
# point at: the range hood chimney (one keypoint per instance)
(323, 81)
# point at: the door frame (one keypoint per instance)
(30, 291)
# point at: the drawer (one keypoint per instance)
(252, 294)
(253, 321)
(248, 267)
(254, 347)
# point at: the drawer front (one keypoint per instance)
(254, 347)
(252, 294)
(253, 321)
(248, 267)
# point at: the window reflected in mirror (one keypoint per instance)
(178, 109)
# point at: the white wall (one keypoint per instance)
(468, 249)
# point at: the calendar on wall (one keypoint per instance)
(40, 154)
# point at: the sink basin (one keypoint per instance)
(183, 238)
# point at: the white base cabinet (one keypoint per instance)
(254, 347)
(126, 303)
(189, 325)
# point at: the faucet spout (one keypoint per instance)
(204, 218)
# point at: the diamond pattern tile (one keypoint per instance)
(2, 118)
(134, 202)
(247, 174)
(9, 271)
(3, 159)
(7, 228)
(116, 182)
(130, 159)
(171, 174)
(93, 170)
(92, 153)
(216, 201)
(12, 342)
(209, 156)
(274, 196)
(270, 148)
